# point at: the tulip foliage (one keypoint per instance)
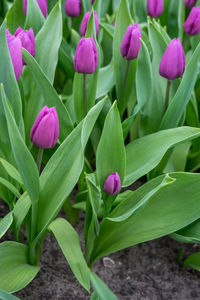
(95, 95)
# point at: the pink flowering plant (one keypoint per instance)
(95, 95)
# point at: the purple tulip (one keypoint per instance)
(42, 5)
(15, 49)
(92, 1)
(131, 43)
(112, 184)
(27, 39)
(192, 24)
(85, 20)
(190, 3)
(73, 8)
(86, 58)
(172, 64)
(45, 130)
(155, 8)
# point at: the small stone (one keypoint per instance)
(108, 262)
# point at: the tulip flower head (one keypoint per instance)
(27, 39)
(190, 3)
(172, 64)
(15, 49)
(45, 130)
(112, 184)
(131, 43)
(155, 8)
(192, 24)
(73, 8)
(86, 58)
(92, 1)
(85, 20)
(42, 5)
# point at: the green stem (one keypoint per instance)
(32, 254)
(39, 158)
(126, 73)
(186, 42)
(167, 95)
(85, 94)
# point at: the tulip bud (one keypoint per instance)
(42, 5)
(155, 8)
(73, 8)
(92, 1)
(45, 130)
(172, 64)
(131, 43)
(86, 58)
(112, 184)
(27, 39)
(85, 20)
(15, 49)
(192, 24)
(190, 3)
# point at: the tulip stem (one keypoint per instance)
(39, 158)
(126, 74)
(85, 94)
(167, 95)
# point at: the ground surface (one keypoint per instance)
(146, 271)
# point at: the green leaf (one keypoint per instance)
(7, 77)
(50, 95)
(105, 80)
(90, 80)
(111, 156)
(15, 273)
(15, 16)
(178, 104)
(170, 209)
(124, 79)
(10, 187)
(6, 296)
(193, 261)
(24, 160)
(144, 154)
(64, 167)
(20, 212)
(126, 213)
(101, 289)
(68, 241)
(34, 16)
(12, 171)
(5, 223)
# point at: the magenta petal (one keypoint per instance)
(131, 43)
(192, 24)
(27, 39)
(86, 58)
(84, 23)
(155, 8)
(73, 8)
(112, 184)
(42, 5)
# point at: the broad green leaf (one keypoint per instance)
(15, 273)
(176, 18)
(178, 104)
(111, 156)
(101, 289)
(5, 223)
(10, 187)
(6, 296)
(64, 167)
(47, 41)
(69, 242)
(7, 77)
(144, 154)
(170, 209)
(50, 95)
(20, 212)
(139, 10)
(12, 171)
(15, 16)
(125, 86)
(128, 212)
(66, 58)
(24, 160)
(90, 80)
(34, 16)
(154, 108)
(105, 80)
(193, 261)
